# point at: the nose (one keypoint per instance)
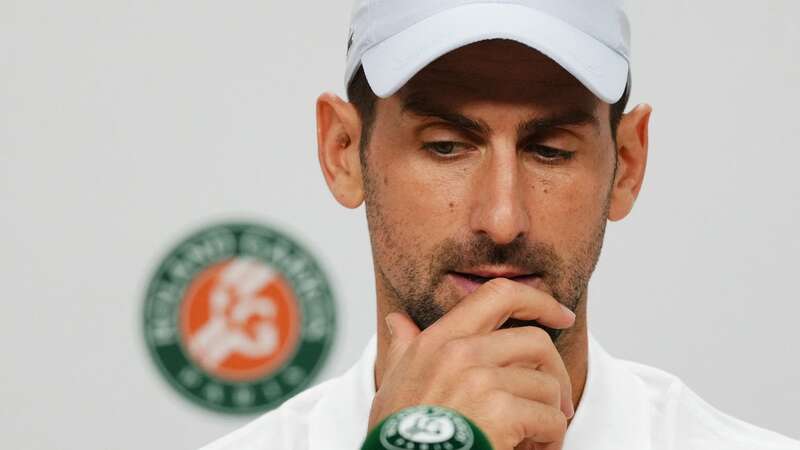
(498, 208)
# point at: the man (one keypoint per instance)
(488, 143)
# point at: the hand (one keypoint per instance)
(511, 382)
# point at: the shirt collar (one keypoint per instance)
(612, 414)
(339, 421)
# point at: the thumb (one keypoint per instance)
(402, 331)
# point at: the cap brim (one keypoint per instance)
(391, 63)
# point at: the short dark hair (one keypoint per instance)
(361, 96)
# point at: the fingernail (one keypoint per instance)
(388, 325)
(568, 310)
(570, 408)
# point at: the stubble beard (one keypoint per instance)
(416, 287)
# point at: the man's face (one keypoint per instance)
(492, 161)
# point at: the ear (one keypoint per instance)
(632, 143)
(338, 136)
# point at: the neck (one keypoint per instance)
(573, 345)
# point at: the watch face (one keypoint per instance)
(427, 428)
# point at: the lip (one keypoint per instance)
(496, 272)
(470, 280)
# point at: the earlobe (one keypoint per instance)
(338, 135)
(632, 147)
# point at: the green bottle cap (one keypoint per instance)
(426, 427)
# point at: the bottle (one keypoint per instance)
(426, 427)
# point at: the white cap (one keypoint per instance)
(395, 39)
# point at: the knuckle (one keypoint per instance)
(538, 343)
(500, 405)
(518, 431)
(551, 425)
(457, 351)
(551, 383)
(559, 425)
(479, 379)
(552, 389)
(538, 334)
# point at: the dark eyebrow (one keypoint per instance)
(568, 118)
(419, 106)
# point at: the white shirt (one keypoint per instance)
(624, 406)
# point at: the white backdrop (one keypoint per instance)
(126, 125)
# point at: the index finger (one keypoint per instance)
(496, 301)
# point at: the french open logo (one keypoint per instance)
(239, 317)
(426, 428)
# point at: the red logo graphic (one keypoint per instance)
(239, 319)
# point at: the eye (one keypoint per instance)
(444, 148)
(549, 154)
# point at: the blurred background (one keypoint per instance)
(125, 126)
